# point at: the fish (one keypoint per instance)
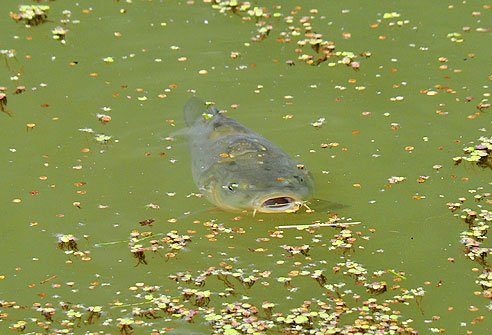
(237, 169)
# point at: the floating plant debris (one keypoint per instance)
(95, 313)
(138, 252)
(172, 240)
(395, 180)
(19, 89)
(87, 130)
(108, 59)
(343, 241)
(3, 103)
(478, 221)
(455, 37)
(299, 29)
(397, 274)
(68, 243)
(7, 55)
(198, 295)
(484, 104)
(147, 222)
(293, 250)
(103, 139)
(376, 287)
(319, 122)
(316, 225)
(391, 15)
(31, 14)
(328, 316)
(59, 34)
(125, 326)
(103, 118)
(478, 154)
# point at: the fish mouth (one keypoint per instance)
(278, 204)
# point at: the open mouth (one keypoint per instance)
(279, 204)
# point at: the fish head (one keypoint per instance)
(280, 190)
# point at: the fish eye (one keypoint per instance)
(232, 187)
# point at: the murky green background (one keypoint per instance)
(413, 236)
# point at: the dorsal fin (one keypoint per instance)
(195, 109)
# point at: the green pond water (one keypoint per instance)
(403, 104)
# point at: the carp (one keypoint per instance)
(237, 169)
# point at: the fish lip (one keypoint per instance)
(278, 203)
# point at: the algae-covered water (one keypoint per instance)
(104, 232)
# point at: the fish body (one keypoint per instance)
(238, 169)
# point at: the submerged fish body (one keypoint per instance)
(238, 169)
